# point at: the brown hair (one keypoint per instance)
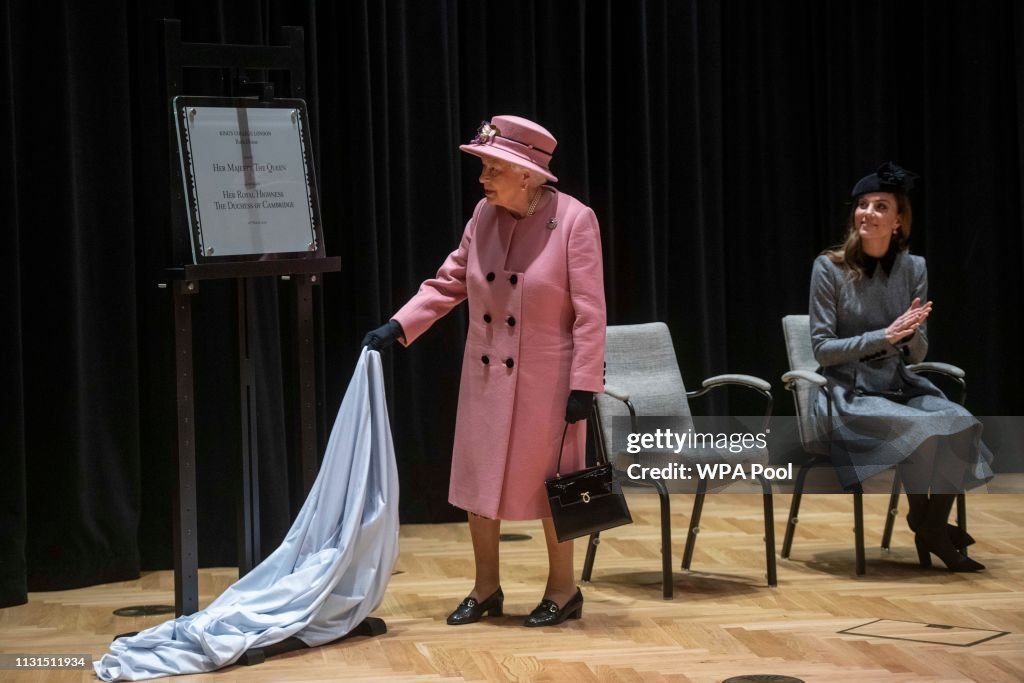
(850, 254)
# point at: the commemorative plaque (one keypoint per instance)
(248, 177)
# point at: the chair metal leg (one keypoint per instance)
(794, 510)
(588, 563)
(691, 534)
(666, 542)
(894, 507)
(858, 529)
(769, 533)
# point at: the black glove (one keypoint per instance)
(384, 336)
(578, 406)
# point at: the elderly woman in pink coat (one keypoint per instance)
(529, 264)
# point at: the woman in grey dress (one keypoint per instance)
(868, 312)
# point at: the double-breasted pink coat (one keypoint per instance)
(535, 288)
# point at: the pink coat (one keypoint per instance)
(536, 330)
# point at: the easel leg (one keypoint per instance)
(248, 504)
(307, 380)
(186, 547)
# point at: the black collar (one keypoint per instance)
(871, 263)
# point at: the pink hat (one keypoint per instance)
(514, 139)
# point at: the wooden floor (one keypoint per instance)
(725, 621)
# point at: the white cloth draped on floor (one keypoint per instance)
(325, 578)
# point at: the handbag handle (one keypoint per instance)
(561, 449)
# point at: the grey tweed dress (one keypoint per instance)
(885, 414)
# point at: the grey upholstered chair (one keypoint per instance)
(642, 378)
(803, 380)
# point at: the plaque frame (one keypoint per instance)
(181, 106)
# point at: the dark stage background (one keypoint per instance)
(717, 142)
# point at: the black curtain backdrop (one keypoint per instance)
(716, 141)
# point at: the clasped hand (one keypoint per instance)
(911, 319)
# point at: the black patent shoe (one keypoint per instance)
(470, 610)
(547, 612)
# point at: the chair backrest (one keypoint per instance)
(640, 360)
(797, 330)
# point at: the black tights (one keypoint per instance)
(929, 512)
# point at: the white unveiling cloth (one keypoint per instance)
(325, 578)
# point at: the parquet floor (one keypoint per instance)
(724, 621)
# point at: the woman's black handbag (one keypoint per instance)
(584, 502)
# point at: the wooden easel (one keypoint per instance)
(302, 273)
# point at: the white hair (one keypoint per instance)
(534, 179)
